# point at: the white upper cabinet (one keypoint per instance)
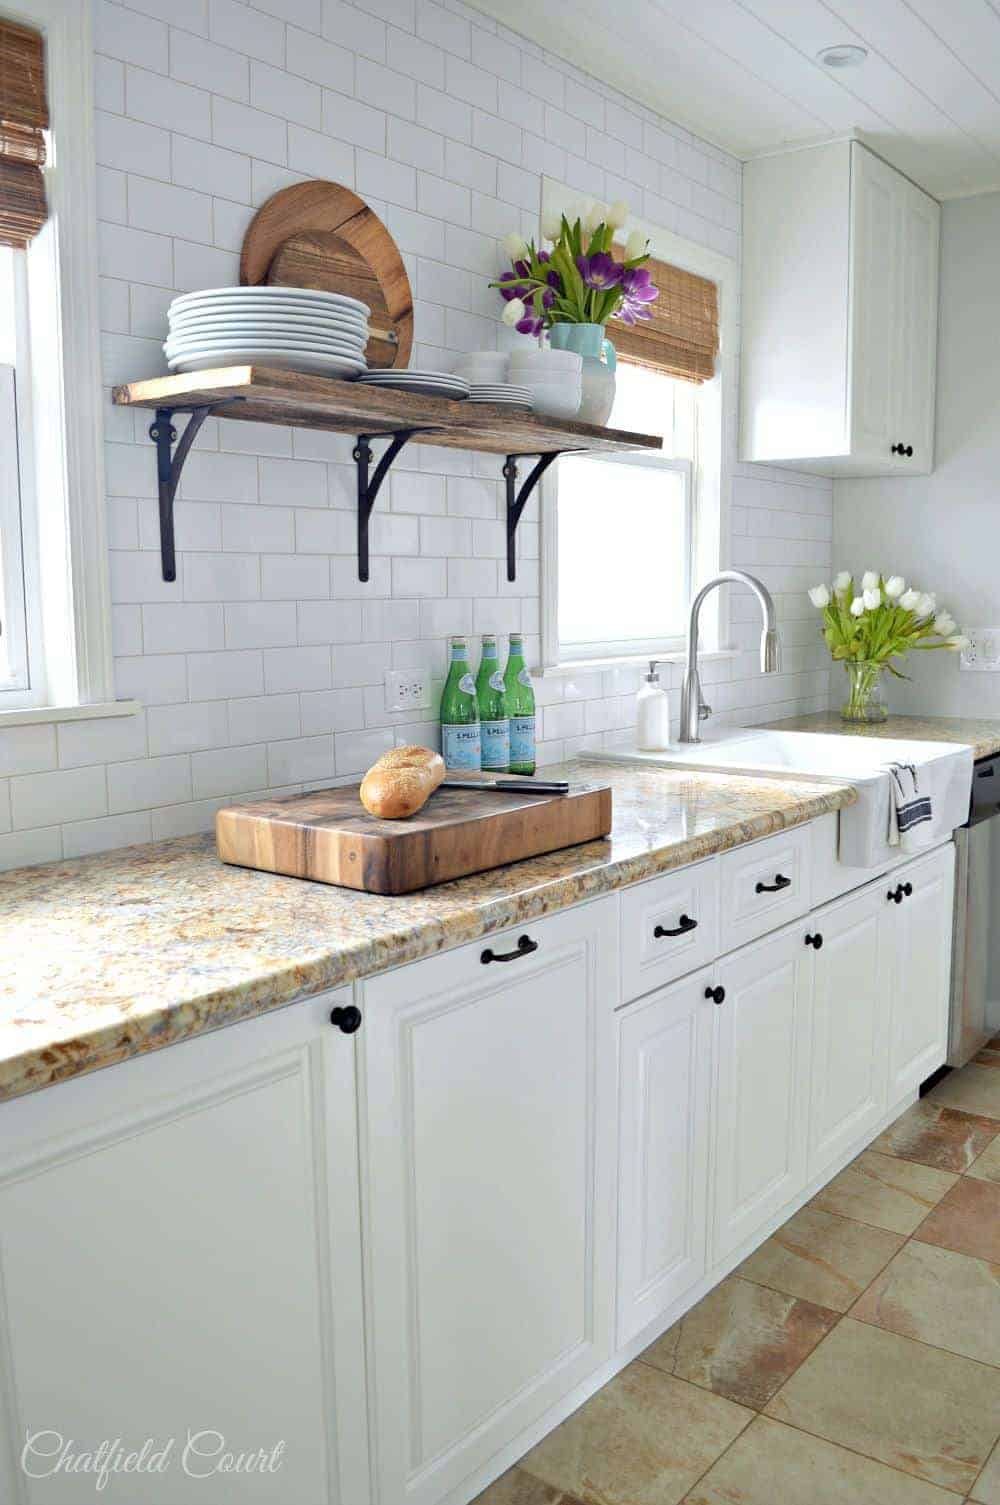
(840, 278)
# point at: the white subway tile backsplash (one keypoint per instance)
(244, 129)
(46, 799)
(227, 770)
(261, 624)
(101, 741)
(285, 94)
(331, 710)
(187, 728)
(263, 718)
(221, 70)
(129, 36)
(356, 751)
(218, 676)
(300, 760)
(305, 668)
(82, 838)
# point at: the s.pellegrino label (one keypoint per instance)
(460, 734)
(491, 694)
(520, 708)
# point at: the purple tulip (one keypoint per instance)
(543, 256)
(529, 325)
(548, 298)
(637, 285)
(554, 280)
(522, 269)
(600, 271)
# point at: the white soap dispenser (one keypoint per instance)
(653, 714)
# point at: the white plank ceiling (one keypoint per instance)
(743, 73)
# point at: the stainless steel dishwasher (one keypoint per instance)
(975, 989)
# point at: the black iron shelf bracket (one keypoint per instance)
(369, 484)
(517, 500)
(169, 464)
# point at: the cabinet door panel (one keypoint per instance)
(849, 1028)
(763, 1054)
(919, 220)
(490, 1130)
(172, 1268)
(666, 1064)
(921, 952)
(874, 285)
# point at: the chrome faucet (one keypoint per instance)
(693, 708)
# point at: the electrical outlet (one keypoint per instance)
(406, 690)
(983, 652)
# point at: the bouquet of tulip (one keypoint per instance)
(578, 281)
(881, 620)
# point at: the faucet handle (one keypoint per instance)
(704, 711)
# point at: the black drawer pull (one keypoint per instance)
(907, 890)
(525, 946)
(684, 925)
(780, 882)
(895, 895)
(988, 772)
(346, 1019)
(717, 995)
(815, 941)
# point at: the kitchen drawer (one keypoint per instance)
(670, 926)
(763, 886)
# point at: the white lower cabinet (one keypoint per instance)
(851, 985)
(180, 1260)
(762, 1102)
(489, 1123)
(667, 1068)
(920, 960)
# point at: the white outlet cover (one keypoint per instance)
(983, 653)
(406, 690)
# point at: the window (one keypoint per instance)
(21, 671)
(622, 535)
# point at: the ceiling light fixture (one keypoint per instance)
(844, 56)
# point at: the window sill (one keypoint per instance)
(633, 660)
(26, 715)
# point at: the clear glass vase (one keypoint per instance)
(865, 696)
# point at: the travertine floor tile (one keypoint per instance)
(742, 1341)
(929, 1413)
(974, 1089)
(644, 1439)
(967, 1219)
(987, 1487)
(773, 1464)
(934, 1134)
(940, 1297)
(884, 1191)
(987, 1166)
(822, 1258)
(515, 1487)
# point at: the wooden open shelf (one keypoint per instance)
(266, 394)
(269, 394)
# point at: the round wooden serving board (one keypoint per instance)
(321, 235)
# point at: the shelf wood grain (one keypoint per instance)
(268, 394)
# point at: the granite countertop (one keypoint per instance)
(107, 957)
(979, 733)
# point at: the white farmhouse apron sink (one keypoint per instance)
(944, 769)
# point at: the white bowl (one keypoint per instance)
(563, 360)
(555, 399)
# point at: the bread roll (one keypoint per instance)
(401, 782)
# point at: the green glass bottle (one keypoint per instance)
(460, 740)
(521, 708)
(494, 720)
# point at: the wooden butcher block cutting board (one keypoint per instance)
(328, 835)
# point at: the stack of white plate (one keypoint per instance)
(504, 394)
(427, 383)
(295, 327)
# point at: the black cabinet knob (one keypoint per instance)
(907, 889)
(346, 1019)
(908, 451)
(895, 895)
(815, 941)
(903, 449)
(897, 449)
(717, 995)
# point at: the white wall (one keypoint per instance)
(942, 531)
(261, 667)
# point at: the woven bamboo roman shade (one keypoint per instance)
(24, 115)
(682, 337)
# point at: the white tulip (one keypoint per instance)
(872, 599)
(857, 607)
(959, 642)
(637, 245)
(944, 625)
(513, 312)
(894, 587)
(842, 582)
(925, 606)
(515, 246)
(617, 214)
(819, 595)
(593, 216)
(869, 580)
(910, 600)
(551, 226)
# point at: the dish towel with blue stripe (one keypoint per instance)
(910, 809)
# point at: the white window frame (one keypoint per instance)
(65, 510)
(20, 643)
(711, 475)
